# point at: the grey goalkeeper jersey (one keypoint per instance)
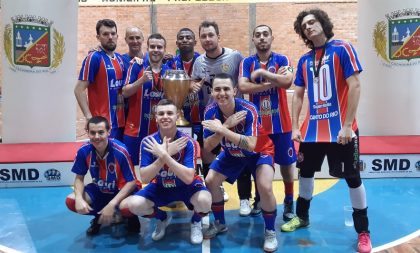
(205, 67)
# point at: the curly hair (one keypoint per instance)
(321, 16)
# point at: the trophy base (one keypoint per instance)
(188, 130)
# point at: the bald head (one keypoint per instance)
(134, 39)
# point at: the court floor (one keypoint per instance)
(36, 220)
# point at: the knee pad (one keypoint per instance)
(354, 182)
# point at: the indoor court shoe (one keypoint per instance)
(288, 213)
(133, 225)
(196, 233)
(94, 227)
(294, 224)
(256, 209)
(245, 208)
(364, 244)
(214, 229)
(160, 229)
(270, 241)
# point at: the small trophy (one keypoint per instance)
(176, 86)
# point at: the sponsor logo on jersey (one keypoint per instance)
(31, 44)
(397, 40)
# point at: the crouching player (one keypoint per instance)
(113, 178)
(167, 163)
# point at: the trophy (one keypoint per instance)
(176, 86)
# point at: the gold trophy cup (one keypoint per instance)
(176, 86)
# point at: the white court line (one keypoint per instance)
(397, 242)
(205, 247)
(4, 249)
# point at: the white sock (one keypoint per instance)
(306, 187)
(358, 197)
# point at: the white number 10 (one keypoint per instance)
(322, 89)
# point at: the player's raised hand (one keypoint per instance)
(196, 85)
(147, 75)
(177, 145)
(234, 119)
(158, 150)
(213, 125)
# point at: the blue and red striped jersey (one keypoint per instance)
(272, 103)
(105, 75)
(327, 96)
(111, 172)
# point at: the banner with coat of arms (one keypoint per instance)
(27, 42)
(38, 63)
(389, 50)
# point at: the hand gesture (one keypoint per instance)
(234, 119)
(138, 60)
(296, 135)
(213, 125)
(158, 150)
(147, 75)
(82, 206)
(196, 86)
(177, 145)
(168, 56)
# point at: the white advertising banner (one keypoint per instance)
(389, 50)
(36, 174)
(39, 62)
(380, 166)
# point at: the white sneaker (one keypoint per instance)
(160, 229)
(270, 241)
(196, 233)
(245, 207)
(225, 195)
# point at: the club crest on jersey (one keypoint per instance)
(397, 40)
(111, 168)
(225, 67)
(28, 44)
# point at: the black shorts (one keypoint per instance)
(343, 160)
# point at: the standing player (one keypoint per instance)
(134, 39)
(144, 88)
(266, 76)
(216, 60)
(330, 73)
(113, 177)
(234, 123)
(168, 159)
(102, 74)
(185, 41)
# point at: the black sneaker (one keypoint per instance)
(133, 225)
(94, 227)
(288, 213)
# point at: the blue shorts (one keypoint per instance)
(117, 133)
(232, 167)
(284, 148)
(163, 196)
(99, 199)
(133, 147)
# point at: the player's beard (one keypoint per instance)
(109, 46)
